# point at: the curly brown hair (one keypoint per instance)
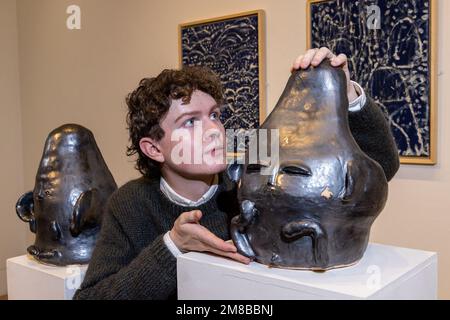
(151, 100)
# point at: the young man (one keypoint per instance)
(178, 207)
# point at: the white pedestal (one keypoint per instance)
(385, 272)
(29, 279)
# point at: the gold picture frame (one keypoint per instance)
(431, 159)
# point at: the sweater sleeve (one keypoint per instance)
(116, 271)
(373, 135)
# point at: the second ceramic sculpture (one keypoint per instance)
(65, 208)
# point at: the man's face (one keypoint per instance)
(194, 137)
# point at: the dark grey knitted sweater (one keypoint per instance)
(131, 260)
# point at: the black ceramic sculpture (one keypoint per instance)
(316, 209)
(65, 209)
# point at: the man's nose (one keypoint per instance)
(212, 131)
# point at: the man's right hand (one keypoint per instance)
(189, 235)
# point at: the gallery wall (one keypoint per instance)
(12, 232)
(82, 76)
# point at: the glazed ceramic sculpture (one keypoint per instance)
(316, 207)
(65, 208)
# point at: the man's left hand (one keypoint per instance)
(315, 56)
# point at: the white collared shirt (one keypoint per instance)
(178, 199)
(185, 202)
(359, 102)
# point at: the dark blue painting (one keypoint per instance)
(230, 47)
(389, 50)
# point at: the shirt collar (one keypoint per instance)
(182, 201)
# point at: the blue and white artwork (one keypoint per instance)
(388, 46)
(230, 47)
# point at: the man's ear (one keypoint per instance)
(151, 148)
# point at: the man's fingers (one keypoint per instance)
(296, 64)
(235, 256)
(238, 257)
(190, 217)
(339, 60)
(211, 240)
(309, 55)
(315, 56)
(321, 54)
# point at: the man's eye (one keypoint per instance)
(189, 123)
(215, 116)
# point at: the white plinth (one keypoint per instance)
(29, 279)
(385, 272)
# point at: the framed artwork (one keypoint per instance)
(233, 47)
(391, 47)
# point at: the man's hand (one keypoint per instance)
(188, 235)
(315, 56)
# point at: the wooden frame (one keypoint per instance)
(261, 46)
(433, 30)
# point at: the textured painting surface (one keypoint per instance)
(391, 60)
(230, 48)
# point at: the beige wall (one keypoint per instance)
(83, 76)
(418, 211)
(12, 232)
